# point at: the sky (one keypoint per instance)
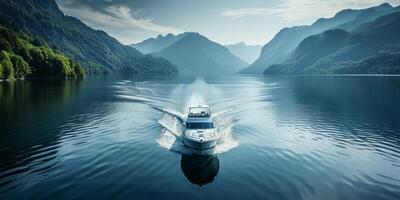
(223, 21)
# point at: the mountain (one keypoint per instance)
(195, 54)
(22, 55)
(310, 50)
(248, 53)
(153, 45)
(374, 47)
(94, 49)
(285, 42)
(368, 15)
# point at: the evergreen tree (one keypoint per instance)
(8, 70)
(23, 56)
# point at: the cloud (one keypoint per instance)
(295, 10)
(243, 12)
(115, 18)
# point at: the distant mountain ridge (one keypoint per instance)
(196, 54)
(374, 47)
(285, 42)
(153, 45)
(94, 49)
(248, 53)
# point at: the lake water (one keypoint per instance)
(293, 137)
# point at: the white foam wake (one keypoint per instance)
(172, 120)
(172, 130)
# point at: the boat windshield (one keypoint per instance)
(199, 112)
(203, 125)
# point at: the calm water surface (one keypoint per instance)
(283, 138)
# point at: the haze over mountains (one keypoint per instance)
(284, 47)
(248, 53)
(372, 48)
(193, 53)
(353, 41)
(153, 45)
(341, 44)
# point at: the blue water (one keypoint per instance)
(290, 137)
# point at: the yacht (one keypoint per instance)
(200, 133)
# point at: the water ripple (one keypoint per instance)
(282, 138)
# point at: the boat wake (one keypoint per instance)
(171, 122)
(172, 130)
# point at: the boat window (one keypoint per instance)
(199, 112)
(206, 125)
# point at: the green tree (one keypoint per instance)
(37, 57)
(8, 70)
(23, 55)
(21, 67)
(1, 71)
(79, 72)
(5, 45)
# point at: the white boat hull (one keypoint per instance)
(200, 135)
(199, 144)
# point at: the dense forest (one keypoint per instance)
(23, 55)
(94, 49)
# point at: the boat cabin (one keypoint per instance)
(199, 117)
(199, 111)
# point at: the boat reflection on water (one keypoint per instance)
(199, 169)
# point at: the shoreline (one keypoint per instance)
(239, 74)
(37, 78)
